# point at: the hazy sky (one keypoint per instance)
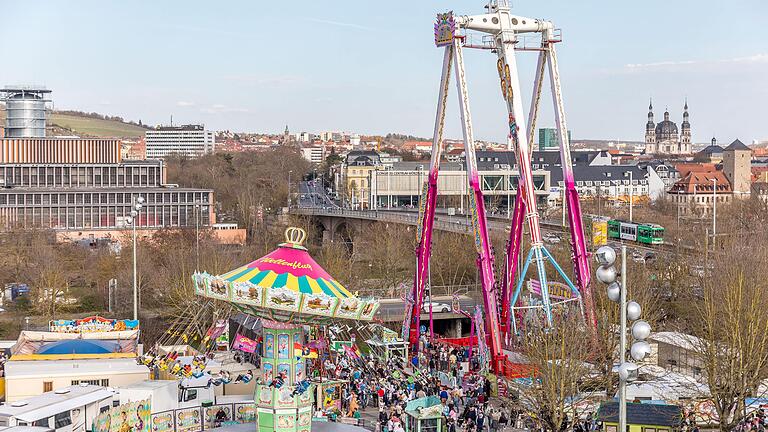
(372, 67)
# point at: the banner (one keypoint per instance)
(557, 290)
(188, 420)
(163, 422)
(92, 324)
(243, 343)
(129, 417)
(245, 413)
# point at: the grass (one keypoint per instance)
(96, 127)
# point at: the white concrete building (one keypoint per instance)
(188, 140)
(314, 154)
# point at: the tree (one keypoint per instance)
(557, 358)
(732, 330)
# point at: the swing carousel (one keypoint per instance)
(287, 289)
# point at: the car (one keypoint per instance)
(436, 307)
(637, 257)
(650, 257)
(551, 238)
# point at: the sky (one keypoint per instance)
(372, 67)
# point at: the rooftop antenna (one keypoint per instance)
(171, 119)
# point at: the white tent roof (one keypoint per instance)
(51, 403)
(681, 340)
(665, 385)
(72, 368)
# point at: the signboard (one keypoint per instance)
(162, 422)
(132, 416)
(92, 324)
(599, 232)
(557, 290)
(188, 420)
(217, 414)
(445, 29)
(245, 413)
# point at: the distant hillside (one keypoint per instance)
(86, 125)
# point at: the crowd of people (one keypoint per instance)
(464, 393)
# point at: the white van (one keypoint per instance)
(68, 409)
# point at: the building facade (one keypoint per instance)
(548, 140)
(187, 140)
(664, 137)
(701, 185)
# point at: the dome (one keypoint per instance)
(666, 127)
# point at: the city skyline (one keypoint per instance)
(378, 69)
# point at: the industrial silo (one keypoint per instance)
(25, 111)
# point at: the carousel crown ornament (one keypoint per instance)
(295, 237)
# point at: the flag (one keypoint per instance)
(298, 350)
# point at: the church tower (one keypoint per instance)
(685, 133)
(737, 166)
(650, 133)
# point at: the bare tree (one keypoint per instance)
(558, 364)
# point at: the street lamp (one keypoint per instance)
(631, 195)
(138, 203)
(714, 213)
(606, 273)
(288, 199)
(197, 235)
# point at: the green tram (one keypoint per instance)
(642, 233)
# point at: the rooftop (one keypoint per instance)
(737, 145)
(701, 182)
(644, 414)
(73, 368)
(54, 402)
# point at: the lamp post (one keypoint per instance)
(138, 203)
(288, 198)
(631, 310)
(197, 236)
(631, 195)
(714, 213)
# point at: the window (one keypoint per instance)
(104, 409)
(105, 382)
(47, 386)
(91, 382)
(189, 395)
(63, 419)
(41, 423)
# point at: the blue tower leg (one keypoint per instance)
(519, 287)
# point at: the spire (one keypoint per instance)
(666, 114)
(714, 141)
(686, 104)
(650, 123)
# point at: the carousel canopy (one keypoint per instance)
(286, 281)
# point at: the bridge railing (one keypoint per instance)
(458, 226)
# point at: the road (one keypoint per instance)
(312, 195)
(393, 309)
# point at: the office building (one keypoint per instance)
(82, 187)
(548, 139)
(187, 140)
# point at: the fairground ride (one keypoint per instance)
(502, 33)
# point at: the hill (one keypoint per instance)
(87, 126)
(81, 125)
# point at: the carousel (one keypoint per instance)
(287, 289)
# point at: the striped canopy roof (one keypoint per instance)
(289, 266)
